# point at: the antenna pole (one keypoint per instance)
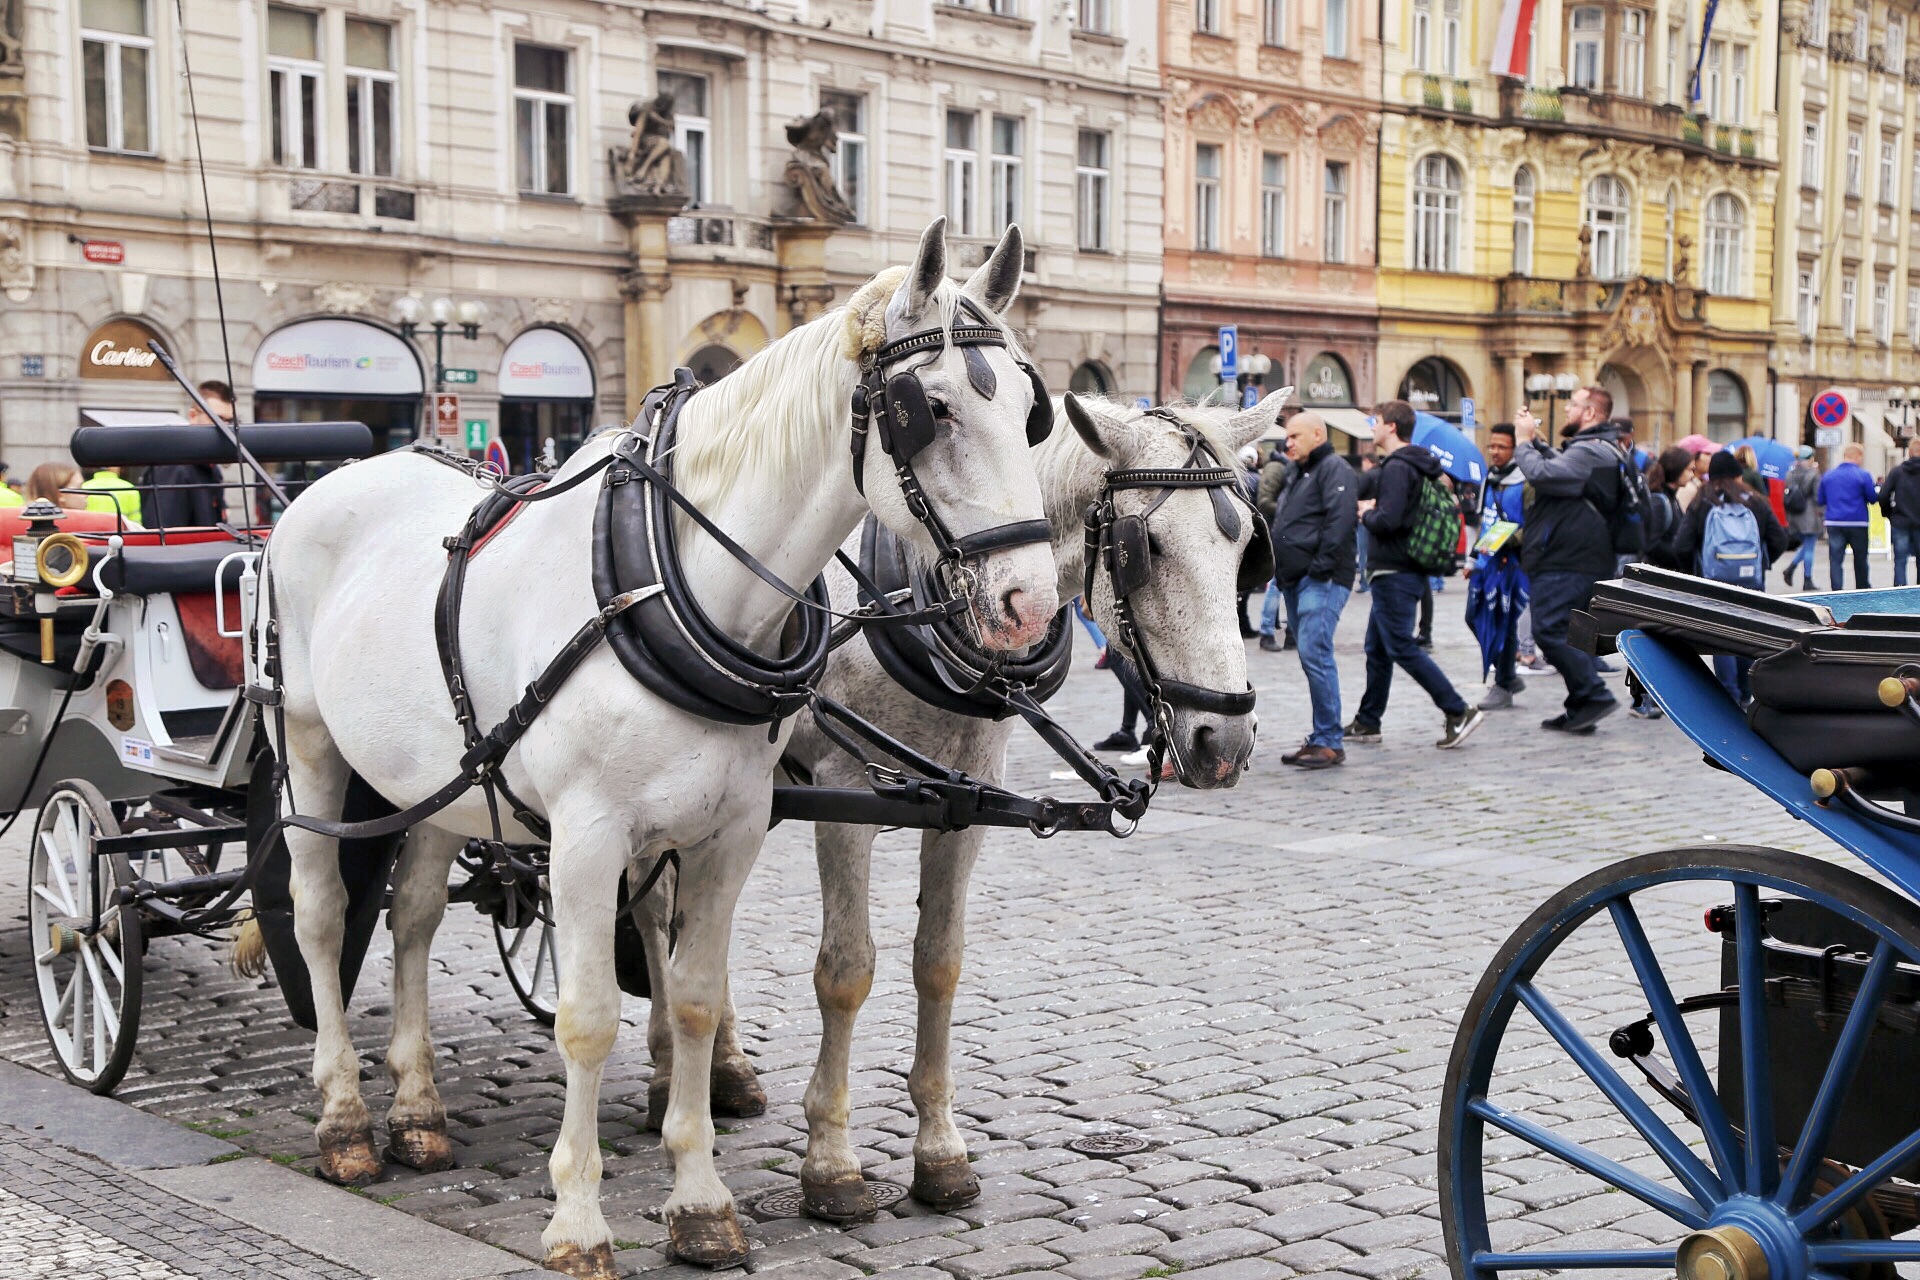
(231, 430)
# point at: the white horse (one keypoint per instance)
(620, 775)
(1185, 616)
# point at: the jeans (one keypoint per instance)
(1313, 612)
(1839, 539)
(1555, 597)
(1390, 643)
(1134, 705)
(1360, 552)
(1426, 611)
(1733, 673)
(1803, 558)
(1906, 542)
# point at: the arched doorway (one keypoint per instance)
(1091, 379)
(712, 363)
(1726, 408)
(1201, 380)
(339, 370)
(546, 393)
(1435, 385)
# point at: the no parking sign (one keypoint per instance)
(1830, 408)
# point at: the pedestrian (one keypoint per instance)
(1845, 493)
(1731, 535)
(1412, 525)
(58, 483)
(1367, 465)
(1494, 575)
(1900, 500)
(1275, 476)
(1632, 531)
(1803, 515)
(1313, 562)
(1133, 695)
(1580, 500)
(1250, 482)
(190, 495)
(9, 496)
(113, 494)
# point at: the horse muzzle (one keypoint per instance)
(1014, 597)
(1212, 751)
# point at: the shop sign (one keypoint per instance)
(1324, 383)
(109, 252)
(446, 415)
(344, 358)
(476, 433)
(118, 350)
(545, 364)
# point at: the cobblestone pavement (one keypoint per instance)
(1263, 983)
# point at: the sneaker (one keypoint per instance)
(1320, 758)
(1583, 719)
(1532, 664)
(1459, 727)
(1268, 642)
(1425, 642)
(1604, 667)
(1563, 723)
(1357, 732)
(1135, 759)
(1118, 740)
(1645, 711)
(1497, 699)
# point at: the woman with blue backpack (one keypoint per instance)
(1730, 534)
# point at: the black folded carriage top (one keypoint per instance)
(1815, 677)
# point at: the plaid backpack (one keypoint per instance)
(1433, 535)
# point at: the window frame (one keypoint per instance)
(1812, 136)
(1806, 303)
(1725, 244)
(1421, 43)
(1849, 305)
(693, 135)
(115, 46)
(1273, 203)
(1716, 71)
(1092, 191)
(1273, 23)
(848, 163)
(1588, 46)
(960, 173)
(1094, 17)
(1676, 65)
(1856, 163)
(1436, 213)
(1888, 169)
(1913, 313)
(360, 81)
(541, 101)
(1633, 53)
(1525, 205)
(1206, 17)
(287, 115)
(1006, 174)
(1206, 196)
(1612, 242)
(1883, 308)
(1334, 191)
(1336, 38)
(1737, 60)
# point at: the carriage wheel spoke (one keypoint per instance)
(66, 997)
(1844, 1196)
(1609, 1171)
(1693, 1174)
(47, 896)
(80, 1015)
(539, 960)
(1840, 1251)
(104, 1008)
(1839, 1077)
(519, 941)
(1575, 1260)
(110, 956)
(1763, 1159)
(1711, 1116)
(57, 867)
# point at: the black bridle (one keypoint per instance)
(1124, 545)
(895, 406)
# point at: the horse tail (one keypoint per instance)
(247, 948)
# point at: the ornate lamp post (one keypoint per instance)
(1907, 401)
(468, 315)
(1551, 387)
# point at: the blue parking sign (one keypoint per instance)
(1229, 351)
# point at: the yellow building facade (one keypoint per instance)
(1585, 223)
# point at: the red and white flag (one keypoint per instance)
(1513, 43)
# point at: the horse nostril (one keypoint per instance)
(1010, 603)
(1202, 741)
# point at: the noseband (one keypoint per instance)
(906, 423)
(1124, 544)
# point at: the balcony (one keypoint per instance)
(720, 231)
(1626, 118)
(1440, 93)
(1532, 296)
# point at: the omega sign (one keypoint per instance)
(118, 350)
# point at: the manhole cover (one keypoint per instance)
(789, 1202)
(1108, 1144)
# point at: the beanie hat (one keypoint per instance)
(1724, 466)
(1804, 451)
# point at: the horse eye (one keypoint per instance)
(940, 407)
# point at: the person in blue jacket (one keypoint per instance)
(1846, 492)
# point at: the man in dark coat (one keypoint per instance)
(1900, 500)
(1313, 558)
(191, 494)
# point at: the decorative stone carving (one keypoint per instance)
(12, 56)
(650, 165)
(1343, 133)
(16, 269)
(13, 82)
(1281, 122)
(1680, 262)
(1583, 269)
(1341, 75)
(1214, 111)
(1282, 65)
(811, 191)
(343, 298)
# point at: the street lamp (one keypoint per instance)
(1551, 387)
(468, 315)
(1907, 401)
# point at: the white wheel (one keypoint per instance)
(532, 961)
(86, 950)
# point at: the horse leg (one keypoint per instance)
(317, 780)
(586, 864)
(942, 1178)
(701, 1223)
(830, 1178)
(417, 1122)
(735, 1084)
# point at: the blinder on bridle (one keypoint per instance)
(897, 407)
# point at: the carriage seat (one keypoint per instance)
(173, 569)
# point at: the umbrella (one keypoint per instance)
(1459, 457)
(1496, 596)
(1698, 444)
(1773, 458)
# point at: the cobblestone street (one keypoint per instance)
(1263, 984)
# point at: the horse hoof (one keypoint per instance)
(708, 1238)
(843, 1200)
(657, 1093)
(350, 1160)
(736, 1091)
(420, 1147)
(945, 1184)
(582, 1263)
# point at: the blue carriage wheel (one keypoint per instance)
(1779, 1207)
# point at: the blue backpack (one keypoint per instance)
(1731, 550)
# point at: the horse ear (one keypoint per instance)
(1250, 424)
(925, 277)
(1101, 432)
(997, 280)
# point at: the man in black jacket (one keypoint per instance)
(189, 495)
(1900, 500)
(1313, 556)
(1397, 583)
(1577, 498)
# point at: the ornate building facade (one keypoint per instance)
(1585, 220)
(368, 159)
(1846, 305)
(1272, 140)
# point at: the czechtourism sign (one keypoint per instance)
(343, 358)
(117, 351)
(545, 364)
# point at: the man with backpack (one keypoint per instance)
(1803, 514)
(1583, 510)
(1413, 530)
(1730, 535)
(1900, 500)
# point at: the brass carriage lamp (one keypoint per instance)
(44, 561)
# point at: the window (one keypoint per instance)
(1206, 197)
(1810, 150)
(1737, 85)
(1896, 43)
(692, 129)
(1007, 171)
(848, 112)
(1273, 204)
(1523, 221)
(294, 77)
(1806, 303)
(1913, 314)
(1817, 21)
(963, 171)
(1849, 305)
(1584, 48)
(1273, 23)
(1436, 214)
(1854, 146)
(372, 93)
(1333, 213)
(1726, 225)
(1676, 66)
(1450, 40)
(116, 56)
(1334, 29)
(1095, 17)
(1889, 185)
(1882, 309)
(1423, 35)
(1716, 75)
(1862, 28)
(1090, 174)
(1633, 53)
(1206, 16)
(1610, 216)
(543, 119)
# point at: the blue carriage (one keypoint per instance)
(1706, 1061)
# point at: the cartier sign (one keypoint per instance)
(118, 350)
